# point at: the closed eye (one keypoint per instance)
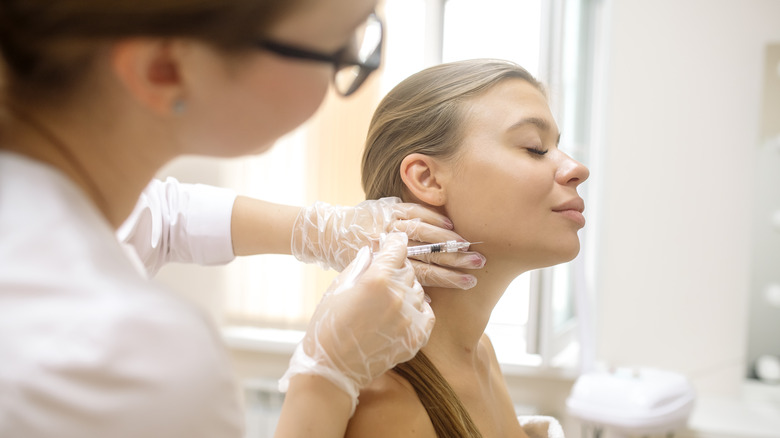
(537, 151)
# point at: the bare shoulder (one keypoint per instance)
(389, 407)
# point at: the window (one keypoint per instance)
(550, 39)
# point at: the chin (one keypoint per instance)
(571, 255)
(231, 148)
(569, 252)
(559, 255)
(263, 148)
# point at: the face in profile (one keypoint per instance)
(509, 186)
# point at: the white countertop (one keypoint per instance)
(754, 415)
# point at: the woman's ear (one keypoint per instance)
(422, 175)
(150, 72)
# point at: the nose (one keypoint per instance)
(571, 172)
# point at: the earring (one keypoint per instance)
(179, 106)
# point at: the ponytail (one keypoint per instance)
(448, 415)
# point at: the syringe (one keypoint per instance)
(448, 246)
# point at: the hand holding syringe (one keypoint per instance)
(418, 255)
(433, 248)
(333, 235)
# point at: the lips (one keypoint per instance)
(572, 210)
(576, 204)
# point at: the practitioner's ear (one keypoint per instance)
(150, 72)
(422, 176)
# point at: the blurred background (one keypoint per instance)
(674, 105)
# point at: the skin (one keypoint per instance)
(499, 157)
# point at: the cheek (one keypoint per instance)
(287, 96)
(253, 111)
(499, 204)
(290, 96)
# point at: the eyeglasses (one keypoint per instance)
(353, 63)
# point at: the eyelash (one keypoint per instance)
(539, 152)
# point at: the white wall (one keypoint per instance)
(683, 84)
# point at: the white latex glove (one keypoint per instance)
(372, 317)
(332, 235)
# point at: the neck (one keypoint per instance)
(107, 161)
(461, 316)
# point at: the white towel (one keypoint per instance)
(540, 426)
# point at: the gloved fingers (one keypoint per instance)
(459, 260)
(440, 276)
(349, 276)
(377, 213)
(415, 295)
(410, 211)
(389, 201)
(427, 319)
(420, 231)
(401, 279)
(408, 279)
(392, 251)
(421, 320)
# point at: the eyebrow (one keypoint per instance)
(540, 123)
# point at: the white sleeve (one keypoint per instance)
(175, 222)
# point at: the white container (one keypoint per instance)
(636, 401)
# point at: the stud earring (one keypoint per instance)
(179, 106)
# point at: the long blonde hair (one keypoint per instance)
(423, 114)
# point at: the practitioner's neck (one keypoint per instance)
(110, 159)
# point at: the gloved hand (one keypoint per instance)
(372, 317)
(332, 236)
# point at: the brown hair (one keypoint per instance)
(424, 114)
(48, 46)
(449, 417)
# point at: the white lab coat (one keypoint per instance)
(174, 222)
(88, 346)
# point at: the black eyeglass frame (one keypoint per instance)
(340, 58)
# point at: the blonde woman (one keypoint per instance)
(476, 141)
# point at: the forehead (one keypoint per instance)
(505, 105)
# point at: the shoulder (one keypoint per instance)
(389, 407)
